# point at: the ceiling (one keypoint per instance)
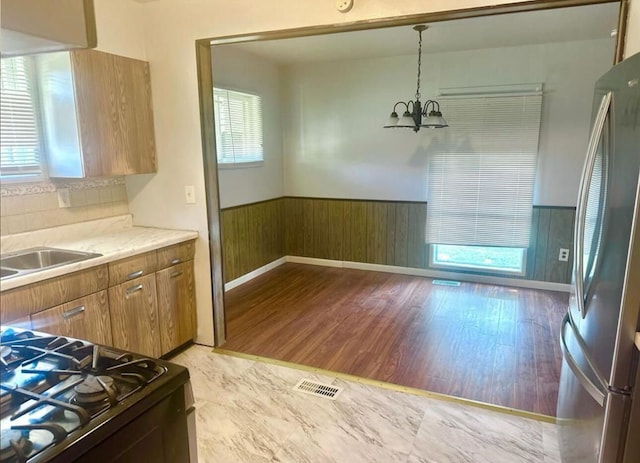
(516, 29)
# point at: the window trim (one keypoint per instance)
(43, 175)
(477, 268)
(238, 164)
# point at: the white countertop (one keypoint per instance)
(114, 240)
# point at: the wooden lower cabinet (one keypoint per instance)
(176, 305)
(83, 318)
(134, 316)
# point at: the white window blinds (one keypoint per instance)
(238, 120)
(482, 171)
(20, 137)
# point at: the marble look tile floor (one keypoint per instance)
(247, 411)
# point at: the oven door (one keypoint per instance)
(159, 435)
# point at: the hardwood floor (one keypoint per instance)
(487, 343)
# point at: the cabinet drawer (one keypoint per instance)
(84, 318)
(133, 267)
(33, 298)
(176, 254)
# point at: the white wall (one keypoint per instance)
(632, 45)
(246, 72)
(335, 145)
(120, 27)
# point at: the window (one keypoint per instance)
(495, 259)
(20, 129)
(482, 172)
(238, 119)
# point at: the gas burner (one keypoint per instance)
(95, 391)
(15, 446)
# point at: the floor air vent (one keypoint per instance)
(446, 282)
(318, 389)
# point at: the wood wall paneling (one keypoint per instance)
(358, 223)
(377, 232)
(416, 235)
(253, 235)
(551, 229)
(401, 247)
(560, 236)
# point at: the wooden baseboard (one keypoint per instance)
(429, 273)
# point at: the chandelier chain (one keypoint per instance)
(419, 64)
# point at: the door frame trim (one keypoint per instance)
(205, 91)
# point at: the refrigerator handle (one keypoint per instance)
(599, 394)
(581, 210)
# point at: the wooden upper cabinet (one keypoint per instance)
(98, 113)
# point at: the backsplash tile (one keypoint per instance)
(33, 206)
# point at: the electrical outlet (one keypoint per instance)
(564, 255)
(189, 194)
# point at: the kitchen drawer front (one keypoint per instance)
(134, 316)
(173, 255)
(84, 318)
(131, 268)
(33, 298)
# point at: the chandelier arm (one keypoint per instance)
(406, 107)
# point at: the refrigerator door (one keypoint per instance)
(604, 306)
(599, 364)
(589, 413)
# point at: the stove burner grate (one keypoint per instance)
(15, 446)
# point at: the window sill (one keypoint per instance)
(13, 179)
(491, 271)
(239, 165)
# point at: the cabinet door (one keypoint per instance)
(176, 305)
(84, 318)
(113, 101)
(134, 316)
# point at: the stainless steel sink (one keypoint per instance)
(36, 259)
(5, 272)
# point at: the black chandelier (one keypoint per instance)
(416, 114)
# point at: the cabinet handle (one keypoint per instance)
(133, 289)
(175, 261)
(177, 274)
(71, 312)
(133, 275)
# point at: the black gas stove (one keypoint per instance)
(64, 399)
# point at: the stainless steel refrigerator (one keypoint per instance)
(599, 395)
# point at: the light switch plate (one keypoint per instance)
(189, 194)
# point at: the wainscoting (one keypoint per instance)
(376, 232)
(252, 236)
